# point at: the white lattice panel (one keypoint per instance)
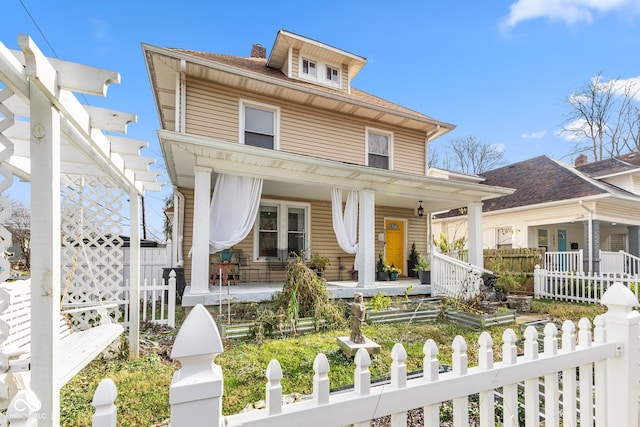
(91, 243)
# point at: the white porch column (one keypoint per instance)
(367, 238)
(45, 254)
(134, 275)
(200, 257)
(474, 216)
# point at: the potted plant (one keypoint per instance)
(381, 269)
(423, 268)
(413, 259)
(318, 263)
(393, 272)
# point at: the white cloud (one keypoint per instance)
(568, 11)
(100, 28)
(534, 135)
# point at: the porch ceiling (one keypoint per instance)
(297, 176)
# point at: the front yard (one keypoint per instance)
(143, 384)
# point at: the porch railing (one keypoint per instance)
(590, 378)
(619, 262)
(564, 261)
(454, 278)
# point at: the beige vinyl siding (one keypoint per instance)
(187, 235)
(295, 65)
(211, 112)
(408, 151)
(615, 213)
(214, 112)
(344, 78)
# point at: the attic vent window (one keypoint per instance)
(309, 67)
(332, 74)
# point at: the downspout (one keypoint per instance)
(589, 234)
(178, 215)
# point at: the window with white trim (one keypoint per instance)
(281, 226)
(333, 74)
(379, 146)
(309, 67)
(504, 238)
(259, 124)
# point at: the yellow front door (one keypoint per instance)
(394, 230)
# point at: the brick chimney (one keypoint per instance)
(581, 160)
(257, 51)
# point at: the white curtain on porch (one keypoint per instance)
(234, 206)
(346, 226)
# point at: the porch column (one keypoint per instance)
(134, 275)
(200, 258)
(591, 260)
(634, 239)
(474, 217)
(367, 238)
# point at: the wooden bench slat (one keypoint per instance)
(76, 348)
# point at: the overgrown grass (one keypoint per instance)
(143, 384)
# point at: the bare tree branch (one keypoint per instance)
(470, 155)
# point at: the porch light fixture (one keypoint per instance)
(420, 209)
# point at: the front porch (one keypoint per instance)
(255, 292)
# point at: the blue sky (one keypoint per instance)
(499, 70)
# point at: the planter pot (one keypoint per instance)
(519, 303)
(411, 263)
(393, 276)
(480, 320)
(425, 277)
(381, 276)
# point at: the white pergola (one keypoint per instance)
(46, 134)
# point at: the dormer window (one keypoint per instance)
(317, 71)
(309, 67)
(333, 74)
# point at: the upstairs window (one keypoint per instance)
(308, 67)
(259, 125)
(379, 149)
(332, 74)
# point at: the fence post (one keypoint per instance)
(622, 326)
(23, 409)
(536, 281)
(103, 400)
(171, 310)
(196, 389)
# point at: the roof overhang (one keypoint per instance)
(285, 40)
(165, 65)
(298, 176)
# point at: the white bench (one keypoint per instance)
(76, 348)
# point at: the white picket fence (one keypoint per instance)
(591, 378)
(157, 301)
(579, 286)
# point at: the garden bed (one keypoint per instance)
(480, 320)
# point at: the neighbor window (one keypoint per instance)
(543, 239)
(379, 149)
(282, 226)
(259, 125)
(308, 67)
(504, 238)
(332, 74)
